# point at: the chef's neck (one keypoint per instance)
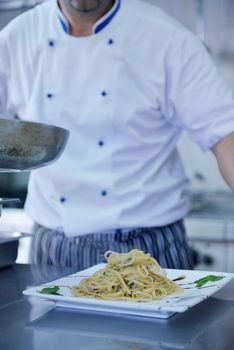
(81, 23)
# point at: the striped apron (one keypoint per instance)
(167, 244)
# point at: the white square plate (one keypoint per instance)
(159, 308)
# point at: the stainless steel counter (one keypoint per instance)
(27, 323)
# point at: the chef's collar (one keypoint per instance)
(98, 26)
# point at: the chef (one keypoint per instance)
(125, 79)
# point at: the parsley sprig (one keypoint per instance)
(206, 279)
(50, 290)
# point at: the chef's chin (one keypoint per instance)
(87, 6)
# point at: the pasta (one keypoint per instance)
(132, 276)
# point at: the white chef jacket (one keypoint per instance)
(125, 93)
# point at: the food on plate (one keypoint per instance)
(132, 276)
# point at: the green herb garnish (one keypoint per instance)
(50, 290)
(206, 279)
(132, 285)
(127, 260)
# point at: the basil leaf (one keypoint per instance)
(50, 290)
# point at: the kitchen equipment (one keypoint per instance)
(18, 4)
(9, 242)
(200, 25)
(25, 146)
(28, 145)
(210, 228)
(11, 4)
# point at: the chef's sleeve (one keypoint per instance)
(5, 110)
(197, 97)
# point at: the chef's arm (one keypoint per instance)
(224, 153)
(5, 65)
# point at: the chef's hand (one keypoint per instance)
(224, 153)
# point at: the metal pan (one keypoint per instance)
(27, 145)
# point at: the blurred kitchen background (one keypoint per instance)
(210, 223)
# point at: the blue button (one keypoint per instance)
(49, 95)
(110, 41)
(101, 143)
(104, 93)
(51, 42)
(62, 199)
(104, 193)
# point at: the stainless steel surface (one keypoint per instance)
(30, 324)
(8, 200)
(26, 145)
(9, 236)
(8, 253)
(9, 244)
